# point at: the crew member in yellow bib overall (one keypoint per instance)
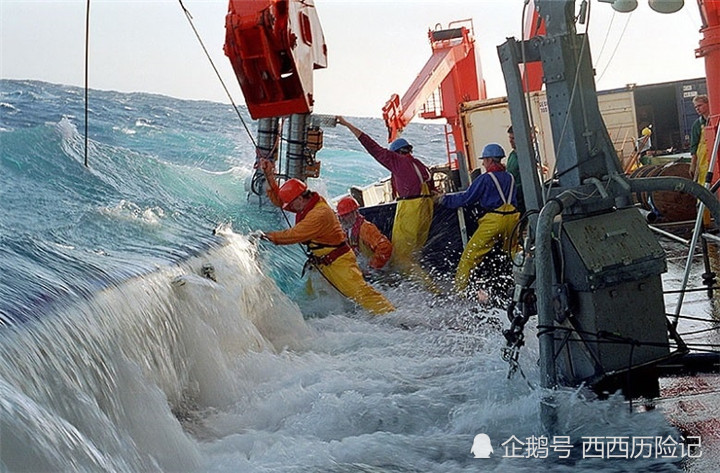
(317, 226)
(413, 188)
(698, 146)
(495, 192)
(699, 159)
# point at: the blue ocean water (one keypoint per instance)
(116, 355)
(162, 175)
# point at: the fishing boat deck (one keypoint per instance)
(690, 401)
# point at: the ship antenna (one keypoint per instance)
(87, 56)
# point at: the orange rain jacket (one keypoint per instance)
(366, 238)
(318, 227)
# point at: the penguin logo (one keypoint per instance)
(482, 448)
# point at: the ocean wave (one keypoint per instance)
(98, 384)
(146, 123)
(8, 107)
(130, 211)
(127, 131)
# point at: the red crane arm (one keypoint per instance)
(274, 46)
(532, 74)
(452, 69)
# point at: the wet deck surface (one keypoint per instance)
(692, 403)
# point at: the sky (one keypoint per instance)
(375, 48)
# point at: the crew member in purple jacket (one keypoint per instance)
(412, 187)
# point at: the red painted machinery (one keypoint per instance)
(450, 77)
(274, 46)
(710, 50)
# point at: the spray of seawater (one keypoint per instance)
(102, 384)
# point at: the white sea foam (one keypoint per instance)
(95, 386)
(127, 210)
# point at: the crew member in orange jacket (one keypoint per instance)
(364, 237)
(317, 226)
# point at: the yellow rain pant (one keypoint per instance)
(702, 165)
(409, 234)
(345, 275)
(702, 158)
(492, 228)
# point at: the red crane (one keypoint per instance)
(274, 46)
(450, 77)
(710, 50)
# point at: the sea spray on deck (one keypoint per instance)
(108, 376)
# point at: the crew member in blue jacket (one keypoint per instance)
(495, 192)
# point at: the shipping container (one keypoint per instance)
(618, 111)
(685, 92)
(666, 108)
(485, 121)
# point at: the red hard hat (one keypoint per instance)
(290, 191)
(346, 205)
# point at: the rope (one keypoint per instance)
(607, 36)
(87, 60)
(698, 319)
(695, 332)
(604, 337)
(627, 22)
(217, 73)
(697, 289)
(188, 15)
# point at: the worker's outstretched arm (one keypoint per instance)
(268, 168)
(355, 130)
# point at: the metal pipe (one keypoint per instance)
(267, 137)
(544, 264)
(710, 236)
(678, 184)
(297, 141)
(669, 235)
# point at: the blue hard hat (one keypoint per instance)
(493, 150)
(399, 144)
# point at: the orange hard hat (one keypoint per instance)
(291, 190)
(346, 205)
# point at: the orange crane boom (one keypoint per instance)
(450, 77)
(452, 72)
